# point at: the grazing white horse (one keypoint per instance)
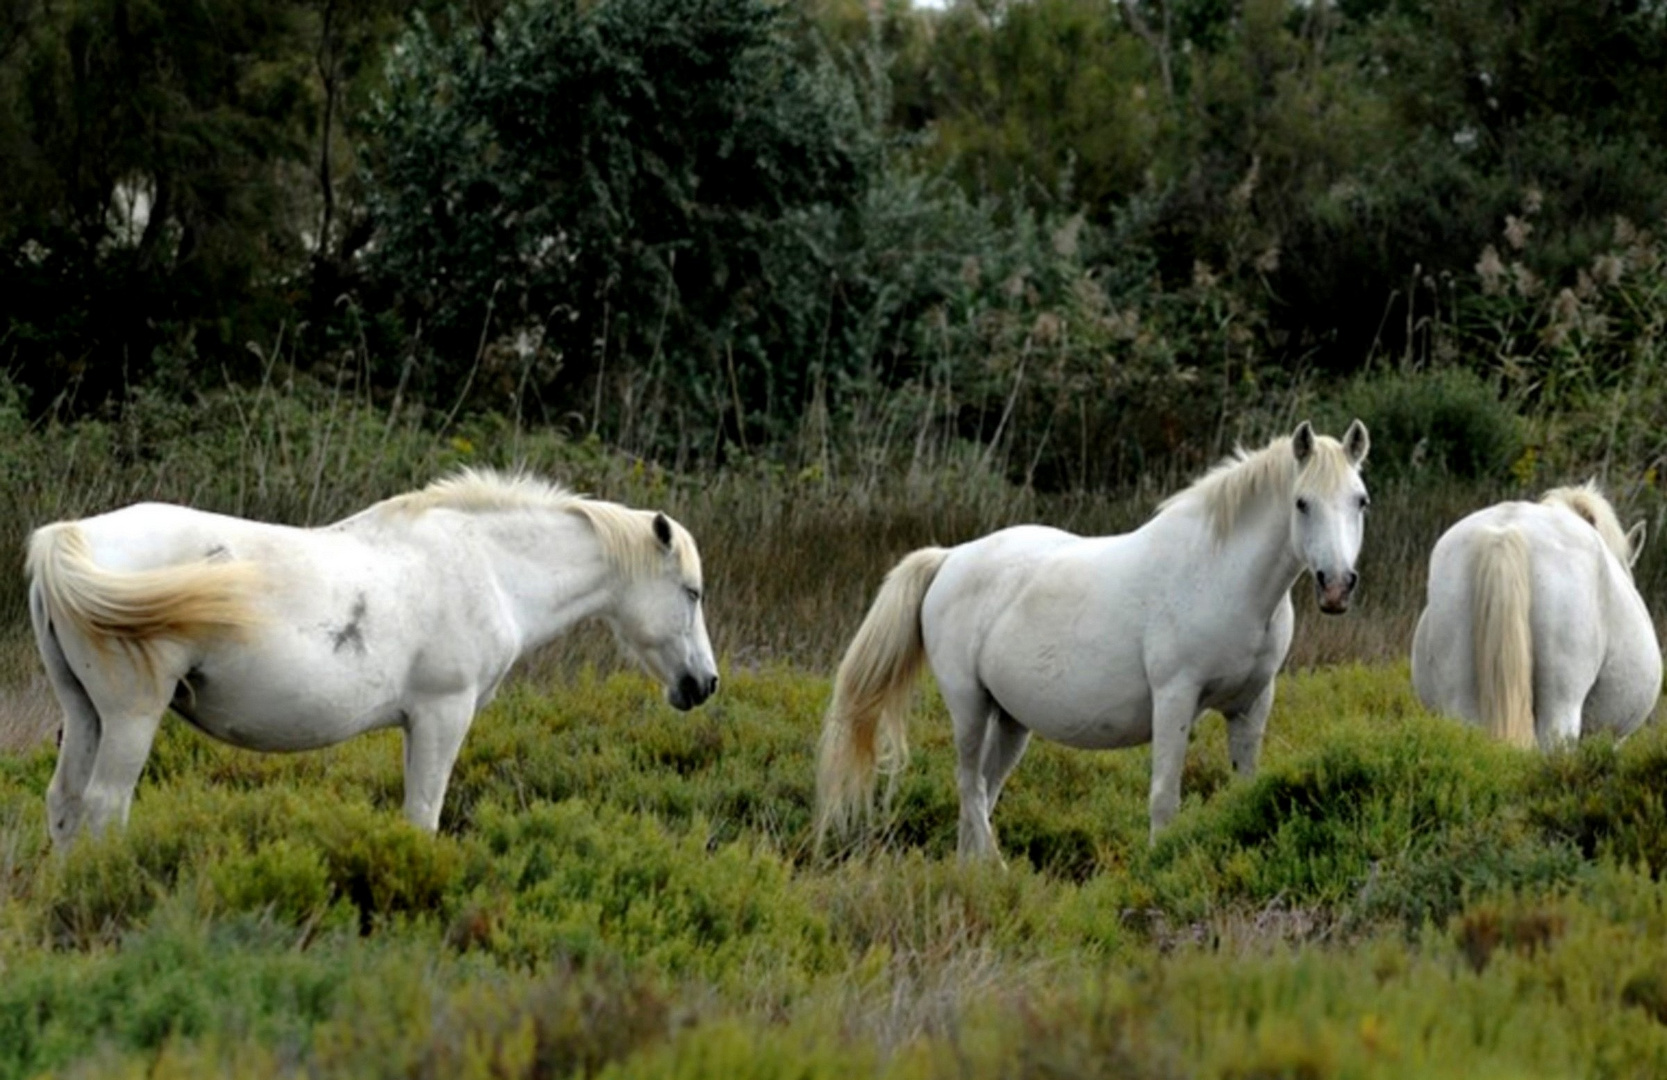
(407, 614)
(1100, 642)
(1534, 629)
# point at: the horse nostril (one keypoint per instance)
(1353, 579)
(711, 686)
(1319, 576)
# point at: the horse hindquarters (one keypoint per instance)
(1628, 684)
(114, 645)
(112, 707)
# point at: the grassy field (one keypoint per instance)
(623, 890)
(619, 889)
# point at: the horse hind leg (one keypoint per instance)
(973, 713)
(78, 738)
(1245, 731)
(1004, 744)
(129, 732)
(128, 701)
(1559, 704)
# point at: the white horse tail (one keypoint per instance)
(864, 731)
(136, 608)
(1503, 637)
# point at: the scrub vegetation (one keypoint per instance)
(618, 889)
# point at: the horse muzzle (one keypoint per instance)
(690, 691)
(1336, 591)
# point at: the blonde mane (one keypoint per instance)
(1587, 502)
(626, 535)
(1247, 476)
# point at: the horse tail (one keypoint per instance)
(864, 732)
(1503, 637)
(135, 609)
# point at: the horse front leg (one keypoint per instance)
(434, 734)
(1245, 729)
(1174, 708)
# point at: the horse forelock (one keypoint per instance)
(1587, 502)
(1247, 477)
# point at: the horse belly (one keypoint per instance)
(1057, 665)
(1089, 703)
(276, 701)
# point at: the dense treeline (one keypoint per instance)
(1071, 236)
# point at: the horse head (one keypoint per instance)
(1328, 510)
(659, 617)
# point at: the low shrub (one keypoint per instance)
(585, 880)
(1326, 826)
(1606, 800)
(1437, 423)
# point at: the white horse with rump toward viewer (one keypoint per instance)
(408, 614)
(1534, 629)
(1100, 642)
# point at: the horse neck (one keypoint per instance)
(551, 568)
(1256, 557)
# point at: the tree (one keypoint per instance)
(614, 191)
(150, 139)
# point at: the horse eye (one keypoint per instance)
(1302, 506)
(1365, 502)
(694, 594)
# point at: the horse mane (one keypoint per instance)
(1247, 476)
(626, 535)
(1588, 503)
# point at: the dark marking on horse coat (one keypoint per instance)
(218, 553)
(353, 633)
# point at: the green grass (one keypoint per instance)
(620, 889)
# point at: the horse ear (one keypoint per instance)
(662, 530)
(1635, 543)
(1302, 441)
(1356, 442)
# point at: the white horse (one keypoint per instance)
(1100, 642)
(1534, 629)
(408, 614)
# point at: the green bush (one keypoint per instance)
(285, 878)
(177, 980)
(583, 880)
(1403, 824)
(1606, 800)
(1431, 424)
